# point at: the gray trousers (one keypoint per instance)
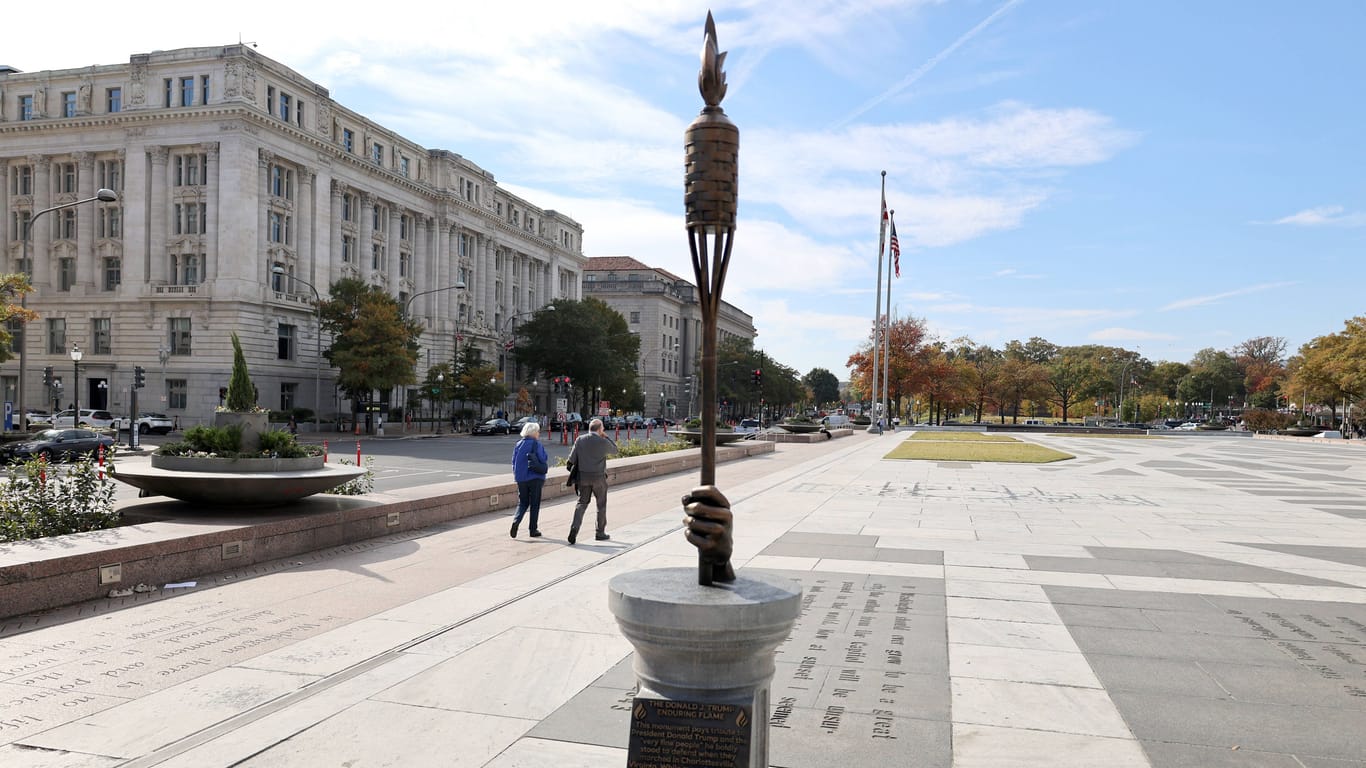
(590, 486)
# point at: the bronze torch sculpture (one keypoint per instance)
(711, 193)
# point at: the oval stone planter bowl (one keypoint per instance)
(229, 483)
(695, 436)
(801, 429)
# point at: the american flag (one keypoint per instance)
(896, 251)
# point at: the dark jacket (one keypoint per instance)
(521, 469)
(589, 454)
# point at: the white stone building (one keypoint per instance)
(234, 175)
(663, 309)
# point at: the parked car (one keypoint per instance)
(570, 419)
(493, 427)
(90, 417)
(1189, 426)
(1161, 425)
(36, 417)
(149, 423)
(56, 445)
(748, 425)
(522, 422)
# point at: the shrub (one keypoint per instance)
(41, 500)
(226, 443)
(241, 393)
(697, 424)
(282, 445)
(1264, 420)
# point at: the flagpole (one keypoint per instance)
(887, 335)
(873, 425)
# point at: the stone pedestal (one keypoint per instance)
(711, 647)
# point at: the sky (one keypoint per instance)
(1161, 176)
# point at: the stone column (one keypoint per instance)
(393, 249)
(704, 662)
(41, 230)
(212, 195)
(366, 245)
(158, 215)
(85, 224)
(334, 226)
(5, 182)
(305, 222)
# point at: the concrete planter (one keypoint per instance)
(801, 429)
(695, 436)
(249, 466)
(253, 424)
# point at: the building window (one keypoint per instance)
(279, 224)
(377, 153)
(187, 91)
(56, 336)
(286, 106)
(190, 218)
(101, 336)
(204, 89)
(66, 273)
(16, 335)
(178, 333)
(176, 393)
(403, 166)
(284, 348)
(25, 107)
(169, 86)
(348, 207)
(66, 178)
(66, 225)
(635, 318)
(185, 269)
(113, 273)
(348, 249)
(190, 170)
(23, 180)
(405, 227)
(111, 222)
(277, 277)
(288, 391)
(376, 256)
(282, 182)
(113, 101)
(403, 260)
(380, 217)
(349, 140)
(69, 104)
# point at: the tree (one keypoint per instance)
(825, 388)
(586, 340)
(373, 346)
(241, 392)
(1070, 376)
(1262, 361)
(12, 288)
(1213, 378)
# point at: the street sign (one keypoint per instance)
(604, 408)
(561, 405)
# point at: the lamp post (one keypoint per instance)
(441, 392)
(504, 342)
(76, 356)
(458, 286)
(317, 359)
(163, 354)
(102, 196)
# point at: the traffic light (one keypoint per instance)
(139, 377)
(758, 377)
(561, 383)
(47, 376)
(222, 395)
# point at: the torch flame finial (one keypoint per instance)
(711, 81)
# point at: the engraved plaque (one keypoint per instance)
(687, 734)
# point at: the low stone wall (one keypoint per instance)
(169, 541)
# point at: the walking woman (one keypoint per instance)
(529, 465)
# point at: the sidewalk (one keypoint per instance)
(1162, 602)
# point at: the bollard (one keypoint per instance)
(617, 438)
(358, 453)
(101, 455)
(324, 451)
(42, 470)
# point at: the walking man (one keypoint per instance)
(589, 456)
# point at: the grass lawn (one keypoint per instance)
(973, 437)
(983, 450)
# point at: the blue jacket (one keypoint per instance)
(521, 470)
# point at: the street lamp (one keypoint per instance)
(103, 196)
(505, 343)
(441, 389)
(317, 360)
(76, 356)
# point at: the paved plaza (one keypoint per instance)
(1178, 601)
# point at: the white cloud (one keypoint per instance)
(1129, 334)
(1324, 216)
(1196, 301)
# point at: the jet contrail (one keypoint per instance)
(923, 69)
